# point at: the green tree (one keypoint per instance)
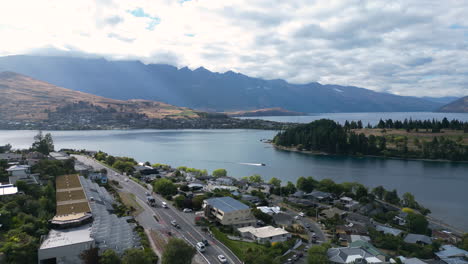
(306, 184)
(379, 192)
(417, 223)
(109, 257)
(165, 187)
(256, 178)
(177, 252)
(43, 143)
(135, 255)
(275, 182)
(179, 201)
(409, 201)
(318, 254)
(219, 173)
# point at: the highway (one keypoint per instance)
(188, 231)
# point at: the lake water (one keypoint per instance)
(440, 186)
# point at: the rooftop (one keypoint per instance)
(415, 238)
(264, 232)
(18, 167)
(388, 230)
(226, 204)
(6, 189)
(350, 255)
(71, 199)
(59, 238)
(269, 210)
(449, 251)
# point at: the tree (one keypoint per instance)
(306, 184)
(177, 252)
(165, 187)
(409, 201)
(179, 201)
(256, 178)
(379, 192)
(417, 223)
(392, 197)
(219, 173)
(109, 257)
(318, 254)
(43, 144)
(275, 182)
(135, 255)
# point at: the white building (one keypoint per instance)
(265, 234)
(65, 246)
(269, 210)
(6, 189)
(349, 204)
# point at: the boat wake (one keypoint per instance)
(252, 164)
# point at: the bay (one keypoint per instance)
(440, 186)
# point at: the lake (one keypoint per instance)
(440, 186)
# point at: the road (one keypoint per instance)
(188, 231)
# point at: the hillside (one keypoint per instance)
(458, 106)
(277, 111)
(24, 98)
(204, 90)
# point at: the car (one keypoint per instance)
(147, 194)
(222, 259)
(164, 205)
(175, 224)
(301, 214)
(201, 247)
(205, 242)
(187, 210)
(126, 180)
(296, 217)
(307, 226)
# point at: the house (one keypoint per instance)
(32, 158)
(353, 228)
(400, 219)
(10, 157)
(7, 189)
(371, 249)
(298, 194)
(348, 203)
(21, 172)
(418, 239)
(211, 187)
(228, 211)
(330, 213)
(82, 169)
(59, 156)
(445, 236)
(265, 234)
(195, 186)
(355, 238)
(388, 230)
(452, 255)
(269, 210)
(97, 176)
(225, 181)
(250, 198)
(320, 196)
(411, 260)
(351, 255)
(145, 170)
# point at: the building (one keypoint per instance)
(265, 234)
(349, 204)
(352, 255)
(452, 255)
(411, 260)
(388, 230)
(250, 198)
(21, 172)
(211, 187)
(400, 219)
(59, 156)
(418, 239)
(269, 210)
(7, 189)
(65, 246)
(330, 213)
(320, 196)
(84, 218)
(228, 211)
(10, 157)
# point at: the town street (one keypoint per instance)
(159, 219)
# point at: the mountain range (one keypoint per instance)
(204, 90)
(458, 106)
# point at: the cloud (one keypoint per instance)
(413, 47)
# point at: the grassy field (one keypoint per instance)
(239, 248)
(396, 135)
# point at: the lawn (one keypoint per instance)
(130, 201)
(239, 248)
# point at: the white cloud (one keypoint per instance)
(407, 47)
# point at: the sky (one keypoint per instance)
(409, 47)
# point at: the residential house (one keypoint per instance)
(225, 181)
(330, 213)
(400, 219)
(196, 186)
(445, 236)
(7, 189)
(11, 157)
(211, 187)
(352, 255)
(228, 211)
(371, 249)
(265, 234)
(59, 155)
(348, 203)
(411, 260)
(319, 196)
(21, 172)
(298, 194)
(250, 198)
(452, 255)
(269, 210)
(418, 239)
(32, 158)
(355, 238)
(388, 230)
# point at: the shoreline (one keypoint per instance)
(321, 153)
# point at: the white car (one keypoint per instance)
(164, 205)
(126, 180)
(222, 259)
(201, 246)
(301, 214)
(187, 210)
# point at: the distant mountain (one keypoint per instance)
(442, 100)
(458, 106)
(24, 98)
(202, 89)
(277, 111)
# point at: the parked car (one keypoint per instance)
(301, 214)
(222, 259)
(187, 210)
(205, 242)
(164, 205)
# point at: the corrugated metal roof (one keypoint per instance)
(226, 204)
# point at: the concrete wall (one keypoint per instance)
(65, 254)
